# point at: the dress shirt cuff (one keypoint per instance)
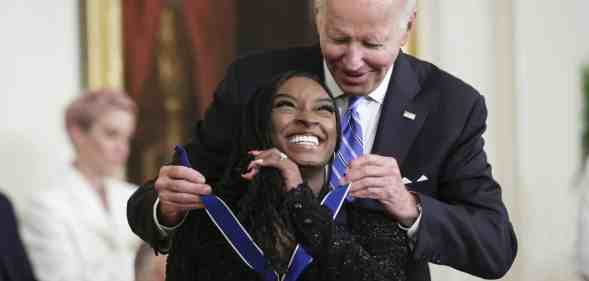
(165, 231)
(412, 230)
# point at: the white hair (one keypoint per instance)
(406, 14)
(405, 18)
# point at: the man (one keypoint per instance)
(424, 162)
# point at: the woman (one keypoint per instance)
(277, 177)
(76, 230)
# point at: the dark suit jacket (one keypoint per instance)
(14, 262)
(464, 224)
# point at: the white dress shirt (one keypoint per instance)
(369, 110)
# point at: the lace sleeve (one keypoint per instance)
(337, 250)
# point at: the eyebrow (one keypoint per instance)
(283, 95)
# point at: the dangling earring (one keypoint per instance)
(325, 174)
(326, 168)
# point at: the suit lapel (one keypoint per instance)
(91, 217)
(396, 132)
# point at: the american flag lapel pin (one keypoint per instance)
(409, 115)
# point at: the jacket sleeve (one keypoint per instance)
(207, 151)
(466, 226)
(140, 217)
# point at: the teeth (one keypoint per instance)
(304, 139)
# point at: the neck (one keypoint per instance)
(315, 178)
(95, 180)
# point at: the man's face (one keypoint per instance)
(360, 40)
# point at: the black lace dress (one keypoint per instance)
(370, 246)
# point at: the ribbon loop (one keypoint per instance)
(242, 242)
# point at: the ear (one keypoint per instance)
(77, 135)
(317, 18)
(409, 29)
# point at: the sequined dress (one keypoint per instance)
(370, 246)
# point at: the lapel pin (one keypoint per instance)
(409, 115)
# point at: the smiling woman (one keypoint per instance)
(303, 121)
(276, 183)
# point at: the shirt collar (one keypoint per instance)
(376, 95)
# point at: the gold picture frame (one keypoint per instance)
(102, 44)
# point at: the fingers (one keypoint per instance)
(251, 173)
(374, 159)
(379, 177)
(374, 176)
(180, 199)
(167, 185)
(181, 172)
(380, 188)
(276, 159)
(179, 189)
(268, 158)
(370, 193)
(371, 165)
(370, 182)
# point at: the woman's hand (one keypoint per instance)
(276, 159)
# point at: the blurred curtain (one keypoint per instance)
(141, 21)
(211, 27)
(176, 52)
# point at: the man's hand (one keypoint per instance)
(179, 189)
(378, 177)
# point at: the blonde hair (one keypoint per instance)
(83, 111)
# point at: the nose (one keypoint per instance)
(306, 118)
(353, 58)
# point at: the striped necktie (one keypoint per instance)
(351, 145)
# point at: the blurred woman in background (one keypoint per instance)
(76, 230)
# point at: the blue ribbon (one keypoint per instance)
(243, 244)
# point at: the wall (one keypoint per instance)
(524, 56)
(550, 44)
(39, 74)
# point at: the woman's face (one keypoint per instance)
(304, 122)
(105, 146)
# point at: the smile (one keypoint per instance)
(353, 79)
(304, 139)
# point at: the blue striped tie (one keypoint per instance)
(351, 145)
